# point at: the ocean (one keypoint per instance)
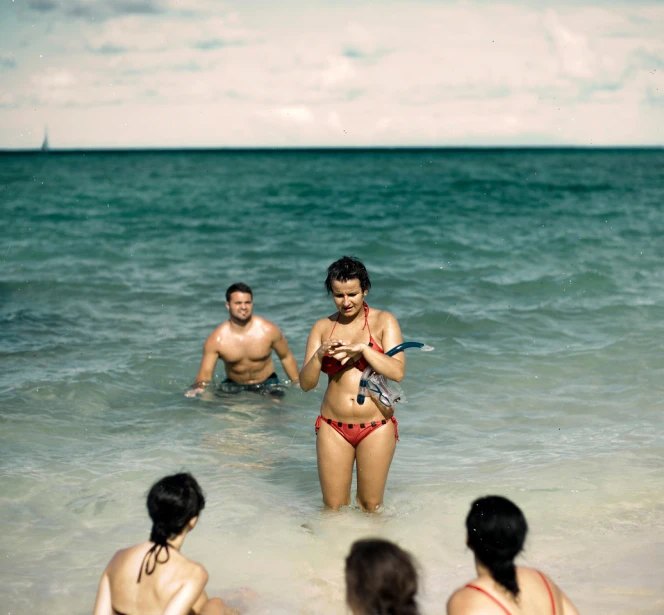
(537, 275)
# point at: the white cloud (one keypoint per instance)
(334, 121)
(54, 79)
(147, 33)
(429, 73)
(338, 70)
(358, 42)
(575, 56)
(299, 115)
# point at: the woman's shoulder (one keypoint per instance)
(125, 559)
(382, 318)
(195, 571)
(185, 569)
(526, 572)
(378, 313)
(122, 555)
(187, 572)
(532, 577)
(462, 601)
(326, 322)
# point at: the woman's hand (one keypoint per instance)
(348, 352)
(328, 348)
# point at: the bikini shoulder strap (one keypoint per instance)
(333, 327)
(366, 317)
(548, 589)
(488, 595)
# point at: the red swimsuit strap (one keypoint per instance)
(366, 318)
(334, 327)
(553, 602)
(486, 593)
(366, 321)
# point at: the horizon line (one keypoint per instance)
(320, 148)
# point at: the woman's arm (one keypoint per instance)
(103, 605)
(313, 358)
(310, 372)
(459, 603)
(184, 599)
(568, 607)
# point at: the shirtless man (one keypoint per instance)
(244, 343)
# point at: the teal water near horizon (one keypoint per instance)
(535, 274)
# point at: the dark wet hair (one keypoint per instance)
(172, 502)
(347, 268)
(381, 579)
(496, 532)
(238, 287)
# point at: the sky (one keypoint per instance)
(250, 73)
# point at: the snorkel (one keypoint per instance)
(375, 385)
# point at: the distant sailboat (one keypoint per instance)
(45, 146)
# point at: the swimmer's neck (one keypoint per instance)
(482, 570)
(176, 542)
(342, 319)
(240, 325)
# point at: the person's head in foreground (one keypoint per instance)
(496, 532)
(153, 576)
(381, 579)
(174, 503)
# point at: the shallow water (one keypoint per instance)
(536, 276)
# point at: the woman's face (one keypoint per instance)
(348, 296)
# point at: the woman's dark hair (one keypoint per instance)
(381, 579)
(238, 287)
(347, 268)
(172, 502)
(496, 532)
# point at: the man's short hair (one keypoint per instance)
(238, 287)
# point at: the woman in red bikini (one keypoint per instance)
(496, 532)
(342, 346)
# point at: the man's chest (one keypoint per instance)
(248, 348)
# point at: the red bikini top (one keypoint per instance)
(331, 366)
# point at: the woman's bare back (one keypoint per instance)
(538, 595)
(169, 583)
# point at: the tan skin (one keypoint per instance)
(244, 343)
(336, 456)
(176, 587)
(533, 598)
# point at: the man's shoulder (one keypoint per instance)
(266, 325)
(221, 327)
(261, 320)
(218, 333)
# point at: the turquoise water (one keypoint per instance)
(536, 275)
